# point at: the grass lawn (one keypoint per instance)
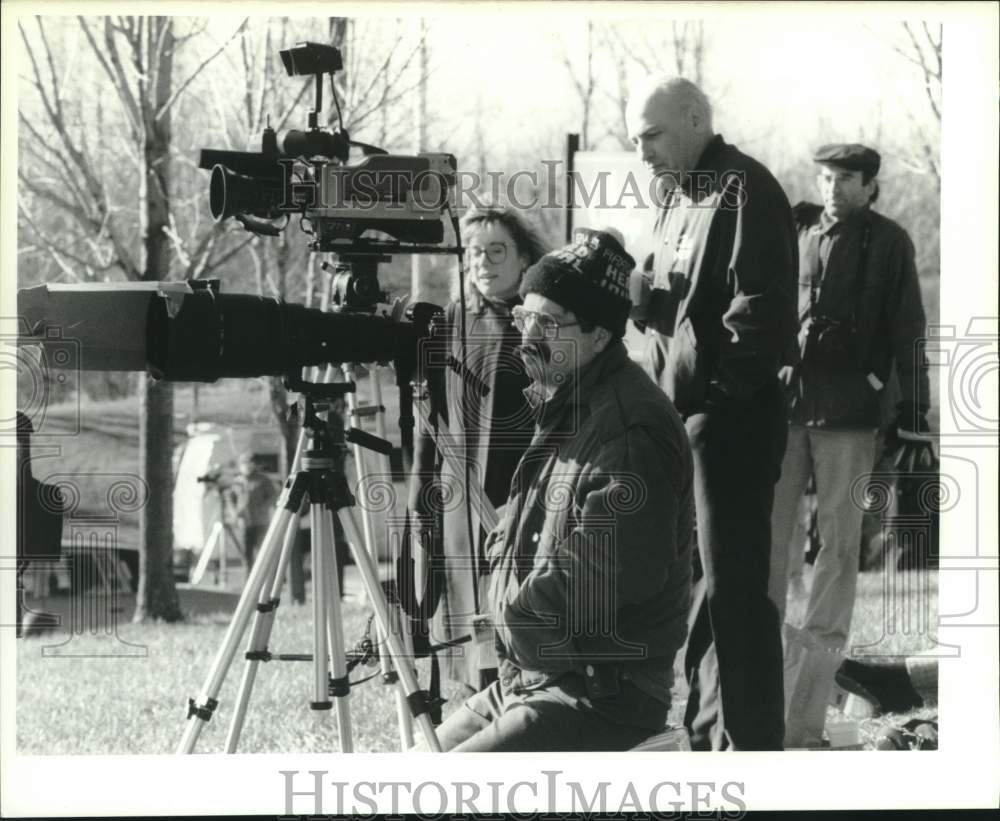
(121, 705)
(107, 704)
(116, 705)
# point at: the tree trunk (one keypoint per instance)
(276, 387)
(157, 598)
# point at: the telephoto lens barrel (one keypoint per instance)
(188, 331)
(212, 336)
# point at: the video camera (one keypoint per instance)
(309, 173)
(213, 478)
(190, 331)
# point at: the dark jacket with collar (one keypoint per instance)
(591, 563)
(721, 312)
(859, 271)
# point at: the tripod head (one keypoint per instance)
(331, 439)
(354, 282)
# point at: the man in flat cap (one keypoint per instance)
(590, 566)
(719, 307)
(860, 316)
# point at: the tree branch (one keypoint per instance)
(55, 199)
(47, 104)
(222, 260)
(181, 88)
(56, 97)
(61, 171)
(386, 64)
(115, 74)
(280, 124)
(196, 31)
(925, 68)
(59, 252)
(936, 48)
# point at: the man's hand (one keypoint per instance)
(909, 441)
(786, 374)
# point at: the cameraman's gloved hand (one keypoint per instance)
(909, 441)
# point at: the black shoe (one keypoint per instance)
(886, 686)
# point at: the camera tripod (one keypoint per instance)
(220, 532)
(316, 472)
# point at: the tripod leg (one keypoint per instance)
(230, 533)
(408, 680)
(403, 718)
(402, 708)
(260, 633)
(321, 695)
(340, 684)
(200, 710)
(206, 552)
(389, 676)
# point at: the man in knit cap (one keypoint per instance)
(590, 566)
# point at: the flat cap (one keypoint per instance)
(852, 156)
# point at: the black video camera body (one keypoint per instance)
(309, 173)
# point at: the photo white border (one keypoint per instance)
(964, 773)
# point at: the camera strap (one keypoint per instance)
(815, 283)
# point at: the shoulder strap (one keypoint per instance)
(862, 269)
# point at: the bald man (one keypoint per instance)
(719, 307)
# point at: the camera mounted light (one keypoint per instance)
(317, 59)
(382, 204)
(311, 58)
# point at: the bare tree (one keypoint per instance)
(95, 232)
(385, 65)
(921, 46)
(585, 85)
(688, 40)
(601, 81)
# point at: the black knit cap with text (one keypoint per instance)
(588, 277)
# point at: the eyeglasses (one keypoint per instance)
(548, 324)
(496, 252)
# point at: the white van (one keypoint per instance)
(204, 467)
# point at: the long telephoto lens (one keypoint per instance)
(212, 336)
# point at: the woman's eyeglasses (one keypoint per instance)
(547, 323)
(496, 252)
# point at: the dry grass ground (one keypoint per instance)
(110, 699)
